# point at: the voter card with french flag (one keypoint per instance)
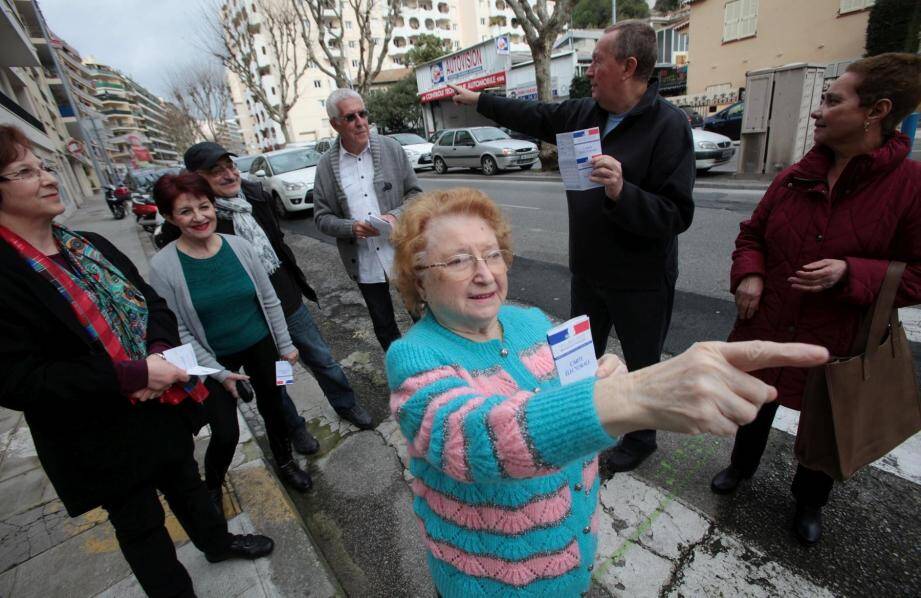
(572, 349)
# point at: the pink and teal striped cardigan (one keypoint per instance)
(504, 459)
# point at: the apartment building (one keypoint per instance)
(734, 37)
(134, 116)
(28, 102)
(461, 22)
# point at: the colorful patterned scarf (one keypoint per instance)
(110, 308)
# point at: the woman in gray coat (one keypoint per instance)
(228, 311)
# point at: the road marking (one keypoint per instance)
(509, 205)
(729, 190)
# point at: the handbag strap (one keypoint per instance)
(882, 314)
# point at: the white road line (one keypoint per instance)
(911, 321)
(904, 461)
(509, 205)
(728, 190)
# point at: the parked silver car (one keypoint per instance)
(486, 148)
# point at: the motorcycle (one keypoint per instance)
(145, 212)
(116, 198)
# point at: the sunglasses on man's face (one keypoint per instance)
(351, 116)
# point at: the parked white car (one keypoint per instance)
(287, 175)
(418, 150)
(243, 163)
(711, 149)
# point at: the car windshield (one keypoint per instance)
(243, 163)
(296, 160)
(488, 134)
(408, 138)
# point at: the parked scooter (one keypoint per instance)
(116, 198)
(145, 211)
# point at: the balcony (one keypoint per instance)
(15, 47)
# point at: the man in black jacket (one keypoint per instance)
(622, 236)
(214, 163)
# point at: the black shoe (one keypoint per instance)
(249, 546)
(625, 457)
(357, 415)
(807, 524)
(217, 499)
(303, 441)
(727, 480)
(292, 475)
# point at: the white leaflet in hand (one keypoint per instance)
(284, 373)
(574, 153)
(382, 226)
(183, 357)
(572, 349)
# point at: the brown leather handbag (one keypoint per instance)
(857, 409)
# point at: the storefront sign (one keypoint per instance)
(491, 80)
(476, 67)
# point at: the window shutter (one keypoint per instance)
(731, 20)
(749, 20)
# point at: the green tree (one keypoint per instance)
(395, 108)
(666, 5)
(632, 9)
(427, 47)
(592, 14)
(580, 87)
(893, 26)
(596, 14)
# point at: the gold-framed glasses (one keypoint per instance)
(464, 265)
(28, 173)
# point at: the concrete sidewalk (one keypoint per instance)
(44, 553)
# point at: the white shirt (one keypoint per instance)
(375, 254)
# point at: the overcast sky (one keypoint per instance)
(142, 38)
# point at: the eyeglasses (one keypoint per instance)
(28, 173)
(219, 169)
(351, 116)
(464, 265)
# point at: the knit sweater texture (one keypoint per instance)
(504, 458)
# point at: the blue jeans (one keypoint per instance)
(315, 354)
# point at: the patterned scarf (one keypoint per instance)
(241, 212)
(108, 306)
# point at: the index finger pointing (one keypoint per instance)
(758, 355)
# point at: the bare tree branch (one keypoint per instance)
(279, 30)
(328, 16)
(201, 92)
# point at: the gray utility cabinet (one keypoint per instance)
(776, 126)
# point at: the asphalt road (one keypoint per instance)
(872, 524)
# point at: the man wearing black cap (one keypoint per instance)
(242, 206)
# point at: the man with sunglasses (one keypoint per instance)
(363, 176)
(244, 209)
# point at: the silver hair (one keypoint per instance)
(332, 102)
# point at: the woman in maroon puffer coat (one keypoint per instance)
(813, 256)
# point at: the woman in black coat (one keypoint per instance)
(80, 341)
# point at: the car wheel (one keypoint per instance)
(526, 166)
(440, 166)
(279, 206)
(489, 166)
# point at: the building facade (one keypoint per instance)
(461, 22)
(728, 39)
(134, 116)
(28, 102)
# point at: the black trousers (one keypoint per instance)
(221, 415)
(380, 308)
(810, 487)
(639, 318)
(138, 520)
(258, 362)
